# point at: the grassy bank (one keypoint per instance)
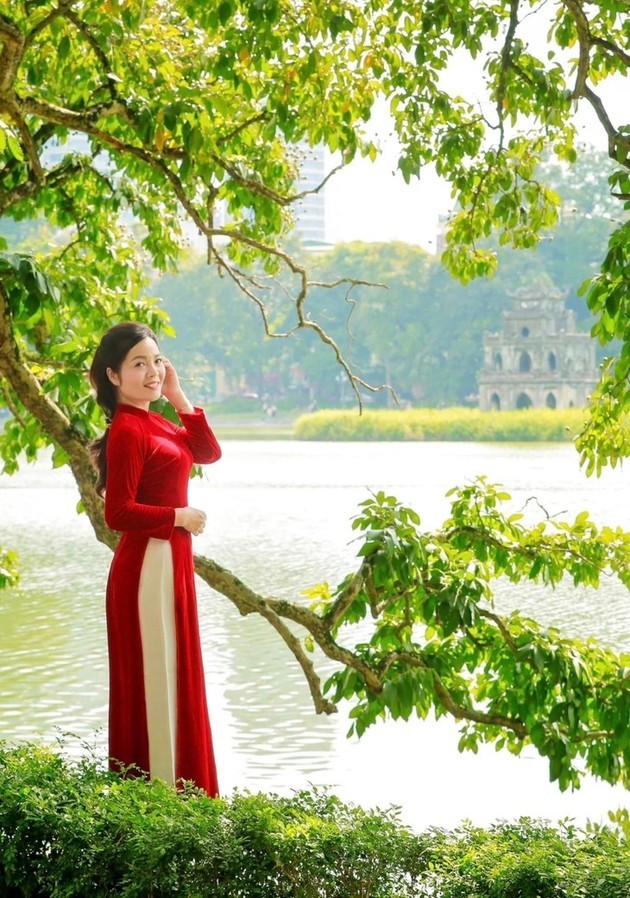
(450, 424)
(72, 831)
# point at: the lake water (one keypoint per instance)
(279, 517)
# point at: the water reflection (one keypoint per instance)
(279, 516)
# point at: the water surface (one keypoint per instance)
(279, 517)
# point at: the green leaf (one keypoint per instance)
(15, 147)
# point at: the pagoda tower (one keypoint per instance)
(538, 359)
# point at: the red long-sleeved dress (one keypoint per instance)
(158, 715)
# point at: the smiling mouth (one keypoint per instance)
(154, 385)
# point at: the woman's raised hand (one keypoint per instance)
(170, 386)
(171, 389)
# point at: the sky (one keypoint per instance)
(371, 202)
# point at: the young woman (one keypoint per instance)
(158, 716)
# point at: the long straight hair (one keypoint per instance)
(111, 353)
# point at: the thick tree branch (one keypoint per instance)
(83, 120)
(54, 421)
(12, 41)
(506, 62)
(618, 143)
(346, 597)
(584, 42)
(248, 602)
(13, 45)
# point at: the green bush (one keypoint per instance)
(69, 830)
(531, 859)
(450, 424)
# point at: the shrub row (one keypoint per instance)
(450, 424)
(69, 830)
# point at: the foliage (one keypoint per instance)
(426, 636)
(74, 830)
(606, 438)
(540, 425)
(530, 859)
(8, 568)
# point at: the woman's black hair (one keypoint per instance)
(111, 353)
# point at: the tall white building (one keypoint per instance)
(310, 212)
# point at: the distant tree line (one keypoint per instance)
(421, 331)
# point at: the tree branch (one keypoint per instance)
(346, 597)
(618, 143)
(459, 712)
(12, 41)
(28, 189)
(613, 49)
(62, 8)
(98, 51)
(505, 633)
(249, 602)
(506, 62)
(584, 41)
(30, 393)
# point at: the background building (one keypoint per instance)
(538, 359)
(310, 212)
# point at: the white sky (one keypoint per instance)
(371, 202)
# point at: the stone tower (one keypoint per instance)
(538, 359)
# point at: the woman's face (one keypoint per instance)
(139, 380)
